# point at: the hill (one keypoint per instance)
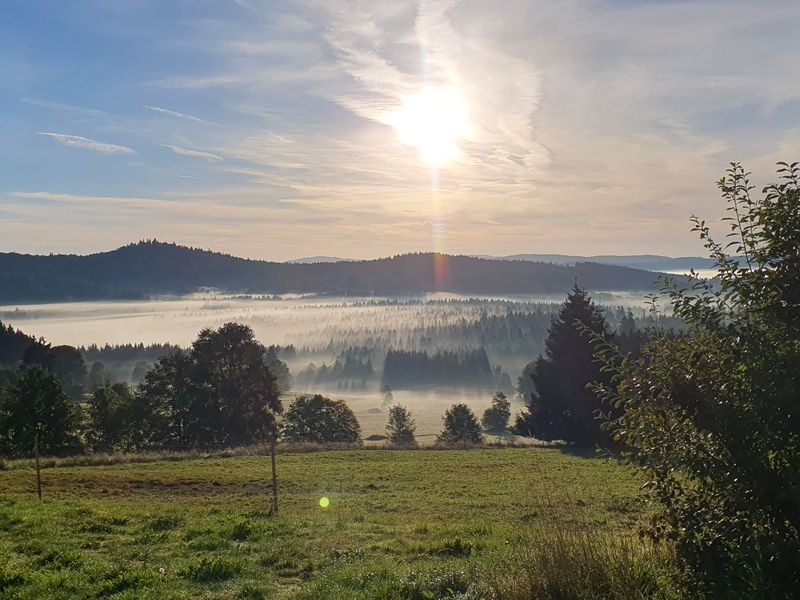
(153, 268)
(647, 262)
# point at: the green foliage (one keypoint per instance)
(36, 403)
(318, 419)
(496, 417)
(65, 362)
(561, 405)
(713, 416)
(279, 369)
(461, 426)
(401, 427)
(221, 391)
(109, 413)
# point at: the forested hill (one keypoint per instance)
(153, 268)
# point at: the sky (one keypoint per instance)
(281, 129)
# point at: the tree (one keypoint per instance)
(230, 371)
(139, 372)
(713, 416)
(279, 369)
(97, 376)
(561, 405)
(495, 418)
(320, 420)
(388, 397)
(461, 426)
(401, 427)
(111, 418)
(65, 362)
(220, 391)
(36, 403)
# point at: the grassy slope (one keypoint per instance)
(396, 518)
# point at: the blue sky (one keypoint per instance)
(282, 129)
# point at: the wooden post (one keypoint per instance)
(274, 479)
(38, 470)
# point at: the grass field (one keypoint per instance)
(400, 524)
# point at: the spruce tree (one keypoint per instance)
(401, 427)
(561, 406)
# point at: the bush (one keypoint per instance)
(713, 417)
(320, 420)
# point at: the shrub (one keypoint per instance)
(318, 419)
(713, 417)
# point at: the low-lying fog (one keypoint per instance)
(339, 346)
(287, 320)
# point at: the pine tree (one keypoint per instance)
(461, 426)
(561, 406)
(401, 427)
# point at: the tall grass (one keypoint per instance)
(582, 563)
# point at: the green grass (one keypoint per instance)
(401, 524)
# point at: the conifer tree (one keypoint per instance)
(561, 406)
(401, 427)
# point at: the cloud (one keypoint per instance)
(68, 108)
(595, 127)
(77, 141)
(180, 115)
(190, 152)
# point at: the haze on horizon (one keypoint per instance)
(282, 129)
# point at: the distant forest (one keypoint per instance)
(152, 268)
(464, 369)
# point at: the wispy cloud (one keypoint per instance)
(181, 115)
(68, 108)
(191, 152)
(77, 141)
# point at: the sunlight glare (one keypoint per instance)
(432, 121)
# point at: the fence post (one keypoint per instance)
(274, 479)
(38, 469)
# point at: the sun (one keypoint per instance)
(432, 121)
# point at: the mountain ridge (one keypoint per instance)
(152, 268)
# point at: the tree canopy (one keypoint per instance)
(220, 391)
(36, 403)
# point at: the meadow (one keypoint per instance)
(398, 524)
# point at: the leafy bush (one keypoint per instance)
(318, 419)
(713, 417)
